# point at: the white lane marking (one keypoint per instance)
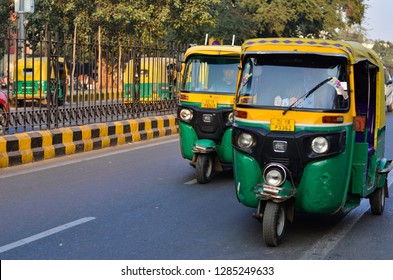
(86, 158)
(44, 234)
(328, 242)
(194, 181)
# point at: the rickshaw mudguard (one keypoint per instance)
(204, 146)
(224, 150)
(188, 137)
(323, 188)
(384, 168)
(247, 174)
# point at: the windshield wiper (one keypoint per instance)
(307, 94)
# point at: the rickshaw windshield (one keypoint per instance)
(206, 74)
(298, 82)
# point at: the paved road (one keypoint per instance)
(141, 201)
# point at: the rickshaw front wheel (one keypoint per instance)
(274, 222)
(204, 168)
(377, 201)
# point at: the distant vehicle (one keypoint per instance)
(4, 109)
(207, 95)
(388, 91)
(157, 79)
(35, 80)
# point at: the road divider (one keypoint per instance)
(33, 146)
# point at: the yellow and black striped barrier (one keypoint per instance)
(33, 146)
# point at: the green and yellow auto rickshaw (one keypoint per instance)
(309, 130)
(156, 77)
(40, 79)
(207, 96)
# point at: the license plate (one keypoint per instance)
(282, 125)
(209, 103)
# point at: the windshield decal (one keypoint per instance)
(339, 88)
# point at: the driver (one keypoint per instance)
(228, 82)
(323, 97)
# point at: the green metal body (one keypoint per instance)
(326, 186)
(188, 139)
(32, 89)
(159, 91)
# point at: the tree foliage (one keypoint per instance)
(311, 18)
(6, 16)
(385, 51)
(6, 21)
(187, 21)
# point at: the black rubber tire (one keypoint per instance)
(377, 201)
(274, 223)
(204, 168)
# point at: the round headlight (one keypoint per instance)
(274, 175)
(230, 117)
(185, 115)
(245, 141)
(320, 145)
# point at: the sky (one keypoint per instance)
(377, 20)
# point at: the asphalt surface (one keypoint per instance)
(141, 202)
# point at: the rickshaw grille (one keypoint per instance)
(283, 161)
(214, 128)
(208, 128)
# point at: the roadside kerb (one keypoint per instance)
(33, 146)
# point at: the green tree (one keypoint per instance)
(7, 22)
(187, 21)
(385, 51)
(6, 16)
(230, 20)
(307, 18)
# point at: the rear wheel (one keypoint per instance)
(274, 222)
(377, 201)
(204, 168)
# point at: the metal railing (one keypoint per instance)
(53, 82)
